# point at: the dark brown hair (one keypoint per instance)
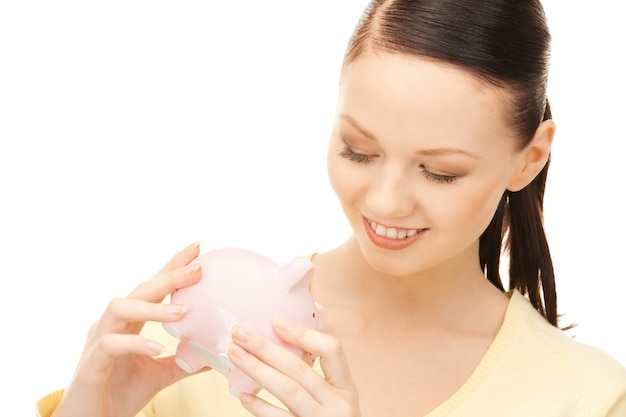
(505, 43)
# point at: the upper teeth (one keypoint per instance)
(392, 232)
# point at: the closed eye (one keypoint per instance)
(440, 178)
(356, 157)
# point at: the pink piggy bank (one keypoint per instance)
(244, 288)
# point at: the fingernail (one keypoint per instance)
(155, 348)
(236, 351)
(192, 247)
(176, 310)
(190, 269)
(282, 325)
(240, 334)
(246, 398)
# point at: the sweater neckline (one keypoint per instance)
(511, 322)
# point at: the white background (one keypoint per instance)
(129, 129)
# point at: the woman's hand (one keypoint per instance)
(290, 379)
(117, 373)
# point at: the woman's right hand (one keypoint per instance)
(117, 373)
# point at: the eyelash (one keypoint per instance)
(443, 179)
(350, 155)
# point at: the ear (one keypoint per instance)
(534, 156)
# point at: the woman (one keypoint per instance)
(440, 149)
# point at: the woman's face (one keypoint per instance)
(419, 157)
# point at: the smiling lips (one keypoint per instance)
(391, 237)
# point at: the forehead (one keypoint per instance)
(396, 92)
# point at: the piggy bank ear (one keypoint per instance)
(295, 273)
(320, 316)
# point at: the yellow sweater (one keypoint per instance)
(530, 369)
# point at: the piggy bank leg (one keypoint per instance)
(217, 361)
(171, 329)
(186, 359)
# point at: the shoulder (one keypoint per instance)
(598, 379)
(563, 348)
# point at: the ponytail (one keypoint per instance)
(519, 217)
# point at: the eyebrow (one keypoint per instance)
(445, 151)
(358, 127)
(425, 152)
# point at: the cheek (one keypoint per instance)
(340, 175)
(474, 207)
(484, 205)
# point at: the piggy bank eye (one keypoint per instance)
(314, 314)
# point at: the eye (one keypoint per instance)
(443, 179)
(356, 157)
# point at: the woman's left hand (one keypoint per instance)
(299, 387)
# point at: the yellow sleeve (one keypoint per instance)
(619, 409)
(47, 404)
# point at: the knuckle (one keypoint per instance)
(334, 347)
(93, 328)
(105, 343)
(113, 306)
(298, 367)
(291, 389)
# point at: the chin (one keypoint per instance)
(393, 263)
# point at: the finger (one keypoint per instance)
(260, 407)
(279, 371)
(124, 311)
(112, 345)
(289, 391)
(182, 258)
(327, 348)
(156, 289)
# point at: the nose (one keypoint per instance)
(390, 194)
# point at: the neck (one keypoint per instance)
(450, 291)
